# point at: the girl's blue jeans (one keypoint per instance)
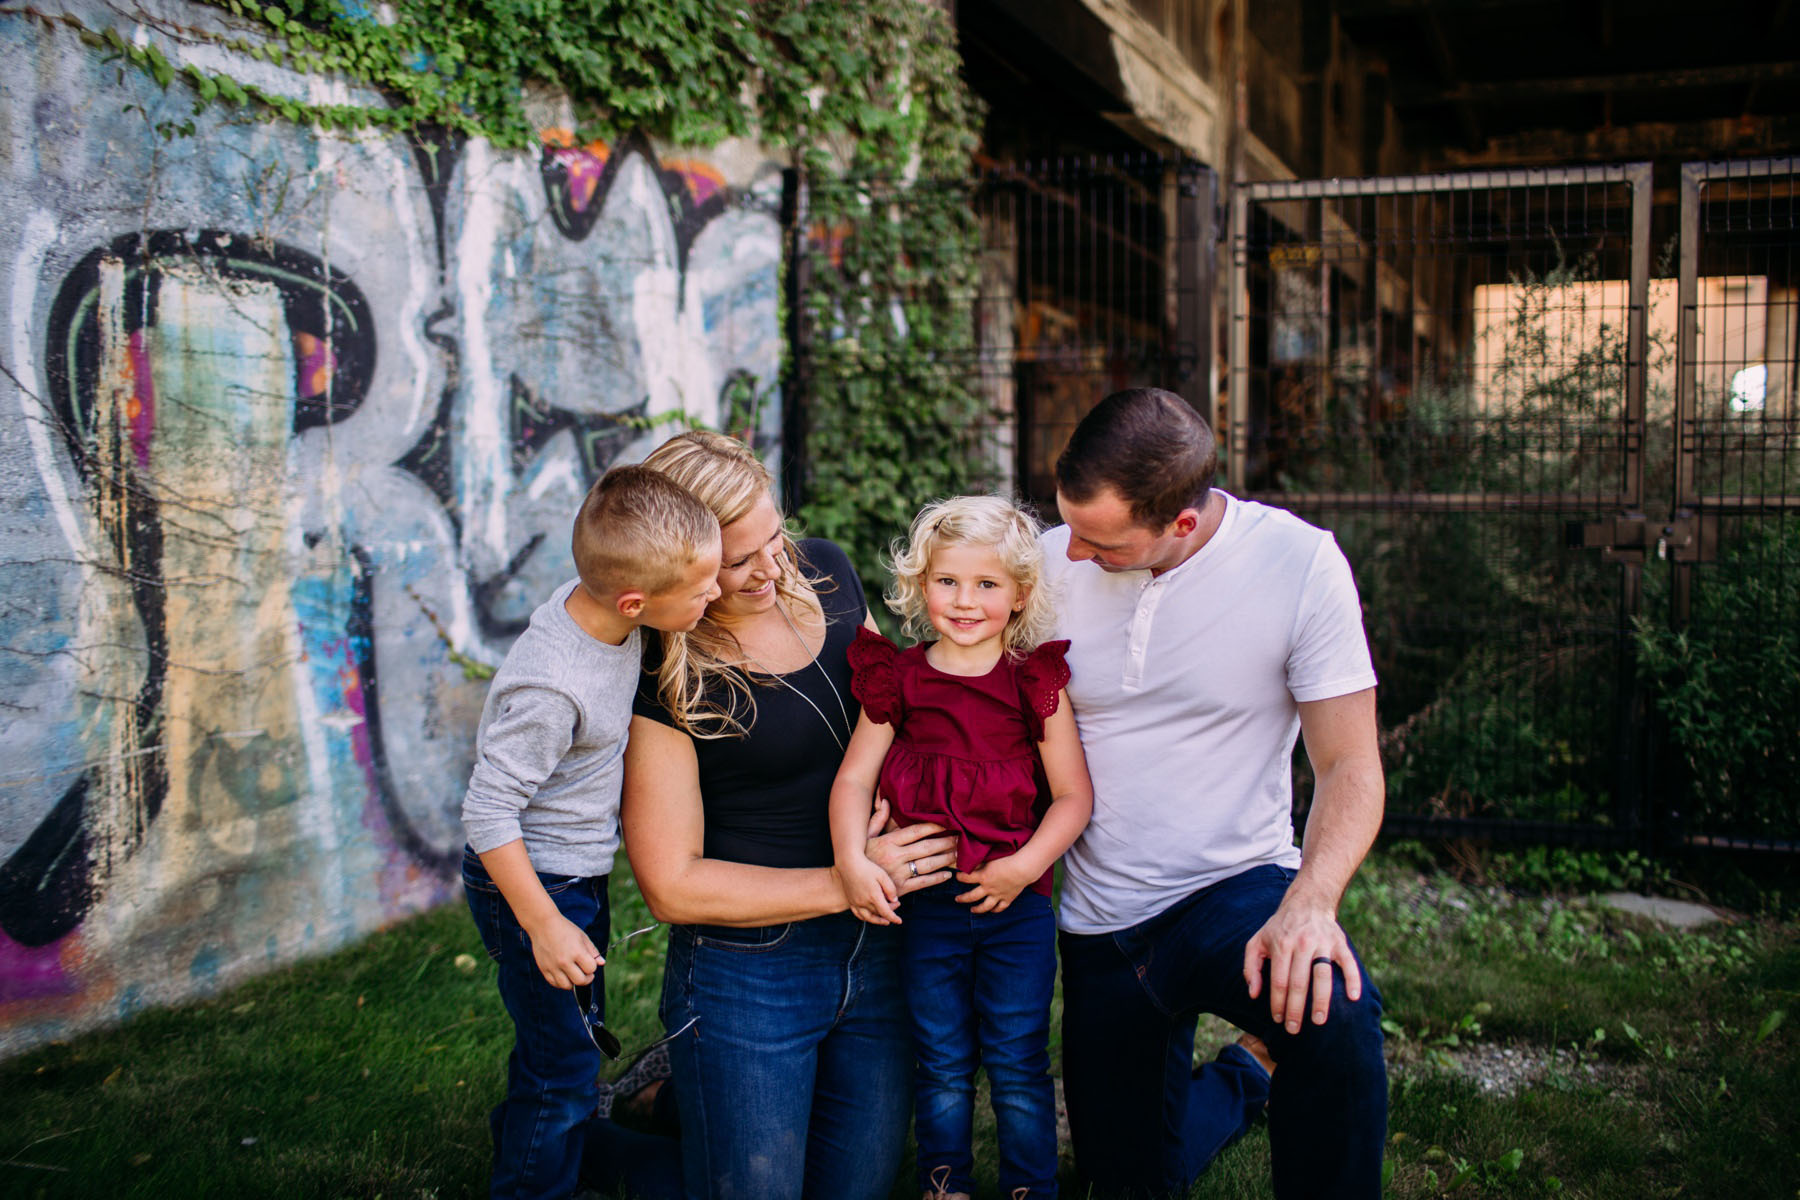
(978, 986)
(1145, 1122)
(795, 1080)
(552, 1073)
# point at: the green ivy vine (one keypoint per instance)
(867, 98)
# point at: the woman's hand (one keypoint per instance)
(914, 857)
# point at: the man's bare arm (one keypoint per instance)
(1303, 938)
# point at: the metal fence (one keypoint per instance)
(1561, 452)
(1540, 444)
(1097, 276)
(1093, 274)
(1728, 768)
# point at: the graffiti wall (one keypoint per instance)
(292, 428)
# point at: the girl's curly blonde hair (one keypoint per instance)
(992, 522)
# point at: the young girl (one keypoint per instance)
(973, 732)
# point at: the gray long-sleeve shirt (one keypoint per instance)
(550, 750)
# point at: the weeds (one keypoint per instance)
(1648, 1062)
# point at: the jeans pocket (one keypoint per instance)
(486, 907)
(756, 939)
(554, 884)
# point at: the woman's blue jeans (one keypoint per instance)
(978, 986)
(552, 1073)
(796, 1077)
(1144, 1122)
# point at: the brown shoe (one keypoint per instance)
(1257, 1049)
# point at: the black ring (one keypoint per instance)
(1321, 959)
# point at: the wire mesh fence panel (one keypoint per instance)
(1563, 459)
(1448, 371)
(1077, 276)
(1725, 655)
(1088, 294)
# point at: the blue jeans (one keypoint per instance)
(1144, 1122)
(795, 1079)
(552, 1074)
(978, 986)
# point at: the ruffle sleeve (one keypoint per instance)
(874, 679)
(1043, 674)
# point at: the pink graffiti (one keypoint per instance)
(33, 972)
(142, 409)
(702, 181)
(401, 883)
(583, 166)
(317, 363)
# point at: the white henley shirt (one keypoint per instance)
(1185, 689)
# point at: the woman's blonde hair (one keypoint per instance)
(725, 475)
(991, 522)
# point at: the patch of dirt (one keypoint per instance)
(1506, 1070)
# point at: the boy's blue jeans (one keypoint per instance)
(978, 986)
(796, 1077)
(552, 1075)
(1144, 1122)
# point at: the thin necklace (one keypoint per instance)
(813, 661)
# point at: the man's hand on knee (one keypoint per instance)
(1299, 944)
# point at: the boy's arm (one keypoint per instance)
(564, 953)
(871, 893)
(999, 881)
(530, 731)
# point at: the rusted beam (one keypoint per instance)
(1508, 90)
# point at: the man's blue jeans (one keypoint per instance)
(552, 1073)
(796, 1077)
(978, 986)
(1144, 1122)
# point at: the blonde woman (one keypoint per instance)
(792, 1076)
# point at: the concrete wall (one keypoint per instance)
(292, 425)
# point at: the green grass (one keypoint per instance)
(369, 1073)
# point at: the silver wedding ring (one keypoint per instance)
(913, 866)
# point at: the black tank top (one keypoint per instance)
(766, 795)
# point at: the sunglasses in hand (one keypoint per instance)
(588, 1005)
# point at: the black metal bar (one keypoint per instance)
(1234, 439)
(1687, 381)
(1447, 181)
(1195, 247)
(1637, 336)
(1468, 502)
(1506, 829)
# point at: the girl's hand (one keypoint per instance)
(998, 882)
(870, 893)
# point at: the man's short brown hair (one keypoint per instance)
(1147, 445)
(639, 529)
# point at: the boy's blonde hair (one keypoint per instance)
(639, 529)
(727, 477)
(992, 522)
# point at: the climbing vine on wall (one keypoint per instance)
(866, 97)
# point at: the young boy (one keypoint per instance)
(542, 809)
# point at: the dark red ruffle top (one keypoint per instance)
(965, 747)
